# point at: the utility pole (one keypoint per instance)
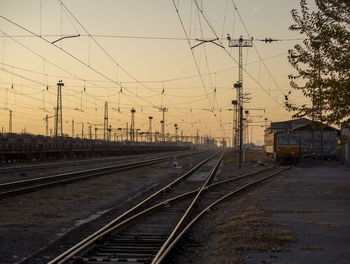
(234, 124)
(126, 132)
(47, 124)
(246, 112)
(132, 126)
(72, 128)
(240, 136)
(10, 122)
(240, 43)
(105, 123)
(150, 129)
(109, 133)
(59, 124)
(176, 128)
(164, 109)
(90, 131)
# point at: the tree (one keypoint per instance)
(322, 63)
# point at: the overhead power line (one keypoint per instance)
(102, 48)
(267, 40)
(136, 37)
(229, 54)
(75, 58)
(193, 56)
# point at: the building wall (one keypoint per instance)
(345, 153)
(345, 147)
(329, 140)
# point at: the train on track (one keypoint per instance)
(283, 146)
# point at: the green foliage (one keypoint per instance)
(322, 63)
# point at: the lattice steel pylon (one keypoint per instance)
(59, 123)
(150, 129)
(163, 109)
(240, 43)
(105, 123)
(132, 126)
(10, 122)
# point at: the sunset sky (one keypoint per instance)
(130, 51)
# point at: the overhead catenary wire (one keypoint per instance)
(168, 96)
(256, 50)
(192, 53)
(102, 48)
(143, 81)
(74, 57)
(138, 37)
(245, 70)
(197, 66)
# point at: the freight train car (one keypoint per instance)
(283, 146)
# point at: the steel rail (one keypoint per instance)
(147, 211)
(185, 215)
(49, 181)
(67, 255)
(69, 163)
(189, 225)
(113, 226)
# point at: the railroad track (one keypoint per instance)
(40, 166)
(147, 232)
(30, 185)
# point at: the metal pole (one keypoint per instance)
(240, 137)
(73, 128)
(240, 43)
(10, 122)
(163, 125)
(105, 123)
(59, 124)
(127, 132)
(132, 127)
(150, 129)
(47, 124)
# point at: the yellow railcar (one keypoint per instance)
(284, 147)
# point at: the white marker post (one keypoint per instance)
(175, 165)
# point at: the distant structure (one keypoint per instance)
(105, 123)
(310, 134)
(150, 129)
(59, 124)
(132, 128)
(10, 122)
(163, 110)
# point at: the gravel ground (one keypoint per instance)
(299, 216)
(69, 166)
(32, 221)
